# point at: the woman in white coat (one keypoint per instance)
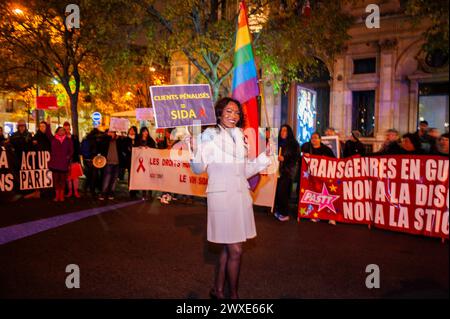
(222, 152)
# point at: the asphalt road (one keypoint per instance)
(147, 250)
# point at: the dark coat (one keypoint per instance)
(127, 148)
(103, 143)
(291, 154)
(354, 148)
(150, 142)
(41, 142)
(21, 142)
(323, 150)
(392, 148)
(76, 148)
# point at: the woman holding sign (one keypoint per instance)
(222, 152)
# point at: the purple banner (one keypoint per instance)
(181, 105)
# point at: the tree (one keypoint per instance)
(38, 35)
(204, 30)
(285, 40)
(293, 43)
(436, 13)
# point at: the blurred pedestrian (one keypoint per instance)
(442, 145)
(145, 140)
(354, 146)
(2, 137)
(411, 145)
(75, 170)
(129, 142)
(391, 145)
(288, 156)
(110, 148)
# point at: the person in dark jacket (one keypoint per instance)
(426, 141)
(316, 147)
(75, 166)
(145, 140)
(60, 159)
(2, 137)
(288, 155)
(89, 148)
(354, 146)
(110, 147)
(20, 141)
(129, 142)
(442, 145)
(411, 145)
(391, 145)
(40, 140)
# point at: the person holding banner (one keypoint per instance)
(289, 152)
(223, 153)
(129, 142)
(145, 140)
(316, 147)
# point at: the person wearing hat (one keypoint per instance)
(354, 146)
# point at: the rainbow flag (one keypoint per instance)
(245, 86)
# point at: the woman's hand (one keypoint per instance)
(189, 141)
(269, 149)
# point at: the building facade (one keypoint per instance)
(383, 79)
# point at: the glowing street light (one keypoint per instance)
(152, 69)
(18, 11)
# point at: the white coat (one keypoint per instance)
(230, 205)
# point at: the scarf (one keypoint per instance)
(60, 138)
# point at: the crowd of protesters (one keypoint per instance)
(425, 141)
(70, 159)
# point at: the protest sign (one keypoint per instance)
(182, 105)
(144, 114)
(6, 176)
(170, 171)
(34, 172)
(46, 103)
(333, 143)
(405, 194)
(118, 124)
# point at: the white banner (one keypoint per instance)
(118, 124)
(144, 114)
(153, 169)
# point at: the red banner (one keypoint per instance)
(46, 103)
(405, 194)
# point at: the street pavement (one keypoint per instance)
(145, 249)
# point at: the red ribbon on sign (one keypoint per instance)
(141, 165)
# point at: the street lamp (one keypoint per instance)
(18, 11)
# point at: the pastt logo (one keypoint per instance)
(323, 200)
